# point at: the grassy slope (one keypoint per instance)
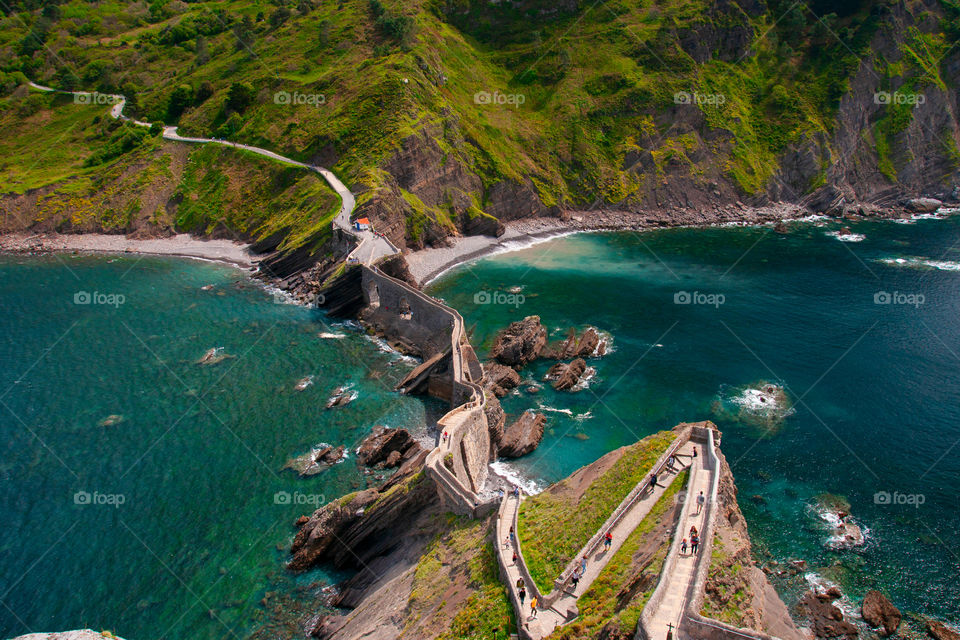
(593, 83)
(459, 565)
(553, 526)
(601, 605)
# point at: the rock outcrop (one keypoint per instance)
(880, 613)
(523, 436)
(940, 631)
(495, 421)
(565, 376)
(587, 344)
(520, 343)
(386, 447)
(500, 379)
(923, 205)
(825, 618)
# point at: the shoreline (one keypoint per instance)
(182, 245)
(426, 265)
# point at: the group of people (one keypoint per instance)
(522, 594)
(694, 542)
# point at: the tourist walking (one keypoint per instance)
(607, 541)
(514, 557)
(575, 578)
(694, 543)
(683, 546)
(693, 530)
(533, 606)
(700, 502)
(519, 583)
(694, 452)
(653, 481)
(513, 537)
(583, 564)
(516, 492)
(522, 593)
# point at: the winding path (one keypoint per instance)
(370, 246)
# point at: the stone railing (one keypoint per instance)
(501, 533)
(622, 509)
(692, 624)
(467, 443)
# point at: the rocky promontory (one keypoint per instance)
(523, 436)
(520, 343)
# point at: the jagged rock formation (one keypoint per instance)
(523, 436)
(520, 343)
(565, 376)
(940, 631)
(387, 447)
(879, 613)
(500, 379)
(825, 618)
(585, 345)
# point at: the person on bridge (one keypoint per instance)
(583, 564)
(575, 578)
(694, 543)
(516, 492)
(514, 558)
(700, 502)
(520, 583)
(683, 546)
(522, 593)
(653, 482)
(607, 541)
(513, 536)
(533, 606)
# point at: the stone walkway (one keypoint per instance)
(678, 581)
(564, 609)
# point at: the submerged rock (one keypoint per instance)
(303, 383)
(520, 343)
(315, 460)
(879, 612)
(940, 631)
(340, 397)
(566, 375)
(214, 355)
(523, 436)
(586, 345)
(826, 619)
(111, 420)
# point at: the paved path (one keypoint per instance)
(678, 581)
(564, 609)
(370, 246)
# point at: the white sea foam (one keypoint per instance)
(386, 348)
(819, 584)
(332, 336)
(584, 382)
(847, 237)
(922, 263)
(513, 476)
(579, 417)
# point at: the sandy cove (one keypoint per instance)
(182, 246)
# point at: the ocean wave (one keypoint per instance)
(514, 477)
(819, 584)
(579, 417)
(332, 336)
(384, 347)
(763, 404)
(846, 237)
(584, 382)
(922, 263)
(605, 344)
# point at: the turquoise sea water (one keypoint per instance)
(172, 518)
(873, 395)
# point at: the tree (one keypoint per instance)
(180, 99)
(239, 97)
(204, 91)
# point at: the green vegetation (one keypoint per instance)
(604, 602)
(730, 600)
(553, 526)
(460, 561)
(581, 102)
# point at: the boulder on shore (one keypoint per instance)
(520, 343)
(923, 205)
(566, 375)
(379, 445)
(500, 379)
(523, 436)
(880, 613)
